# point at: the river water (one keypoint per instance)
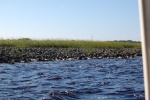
(93, 79)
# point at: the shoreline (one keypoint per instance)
(12, 55)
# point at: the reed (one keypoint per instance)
(67, 43)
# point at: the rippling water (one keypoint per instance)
(95, 79)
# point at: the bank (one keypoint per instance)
(17, 54)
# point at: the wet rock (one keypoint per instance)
(13, 54)
(69, 93)
(54, 93)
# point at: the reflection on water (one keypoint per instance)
(95, 79)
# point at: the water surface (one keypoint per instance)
(94, 79)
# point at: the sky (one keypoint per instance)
(102, 20)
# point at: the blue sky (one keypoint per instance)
(70, 19)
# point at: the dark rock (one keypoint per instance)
(12, 54)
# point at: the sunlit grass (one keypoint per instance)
(67, 43)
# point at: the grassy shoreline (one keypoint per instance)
(24, 43)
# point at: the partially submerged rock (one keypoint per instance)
(13, 54)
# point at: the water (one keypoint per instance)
(95, 79)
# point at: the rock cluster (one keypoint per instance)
(15, 54)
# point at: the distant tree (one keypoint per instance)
(24, 39)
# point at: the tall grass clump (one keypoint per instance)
(25, 42)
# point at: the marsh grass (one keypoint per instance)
(67, 43)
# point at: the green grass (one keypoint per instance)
(67, 43)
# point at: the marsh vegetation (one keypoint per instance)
(25, 42)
